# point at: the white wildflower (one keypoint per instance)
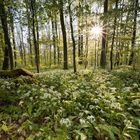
(66, 122)
(91, 118)
(91, 107)
(127, 89)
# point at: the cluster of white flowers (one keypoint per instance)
(91, 107)
(135, 85)
(113, 89)
(127, 122)
(66, 121)
(91, 118)
(6, 84)
(136, 102)
(127, 89)
(83, 121)
(116, 106)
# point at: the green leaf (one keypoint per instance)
(127, 135)
(31, 137)
(133, 128)
(4, 128)
(108, 131)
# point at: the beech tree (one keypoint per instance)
(133, 41)
(8, 56)
(72, 36)
(35, 33)
(63, 28)
(104, 37)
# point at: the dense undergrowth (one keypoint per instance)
(60, 105)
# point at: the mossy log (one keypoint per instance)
(15, 73)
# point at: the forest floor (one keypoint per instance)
(61, 105)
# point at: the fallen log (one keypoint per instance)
(15, 73)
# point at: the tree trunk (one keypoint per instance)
(37, 35)
(72, 36)
(8, 49)
(54, 40)
(29, 32)
(57, 44)
(34, 34)
(13, 36)
(113, 37)
(104, 36)
(79, 42)
(87, 36)
(132, 55)
(63, 28)
(23, 50)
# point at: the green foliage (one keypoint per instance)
(62, 105)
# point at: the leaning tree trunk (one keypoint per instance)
(8, 49)
(63, 28)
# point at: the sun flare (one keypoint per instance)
(96, 31)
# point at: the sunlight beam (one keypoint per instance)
(96, 31)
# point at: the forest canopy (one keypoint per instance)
(38, 34)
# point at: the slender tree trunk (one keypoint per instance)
(29, 32)
(8, 49)
(113, 37)
(63, 28)
(82, 49)
(23, 47)
(24, 50)
(37, 35)
(50, 50)
(57, 44)
(86, 37)
(13, 39)
(98, 63)
(30, 46)
(34, 34)
(104, 36)
(132, 56)
(72, 36)
(95, 53)
(54, 40)
(79, 42)
(50, 55)
(45, 55)
(58, 49)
